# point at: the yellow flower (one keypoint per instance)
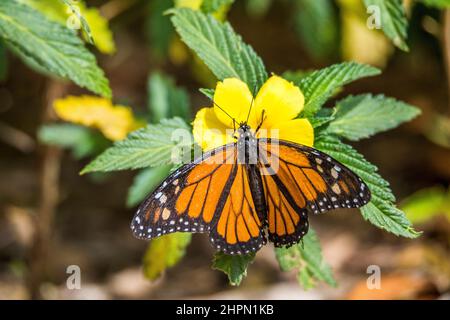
(193, 4)
(278, 100)
(115, 122)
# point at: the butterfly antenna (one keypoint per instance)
(234, 120)
(251, 104)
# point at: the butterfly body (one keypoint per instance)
(248, 154)
(245, 192)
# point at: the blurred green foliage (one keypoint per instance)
(426, 204)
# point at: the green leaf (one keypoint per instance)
(82, 141)
(394, 22)
(381, 210)
(321, 118)
(439, 4)
(145, 182)
(316, 23)
(320, 85)
(213, 6)
(152, 146)
(220, 48)
(49, 47)
(165, 99)
(160, 30)
(307, 258)
(358, 117)
(164, 252)
(235, 267)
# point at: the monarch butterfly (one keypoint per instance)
(239, 192)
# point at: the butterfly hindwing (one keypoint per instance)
(287, 221)
(239, 228)
(298, 180)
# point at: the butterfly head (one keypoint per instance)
(244, 130)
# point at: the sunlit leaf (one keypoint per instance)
(220, 48)
(318, 86)
(358, 117)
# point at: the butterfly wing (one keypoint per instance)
(187, 198)
(239, 228)
(298, 179)
(212, 194)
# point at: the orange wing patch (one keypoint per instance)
(204, 185)
(287, 222)
(239, 228)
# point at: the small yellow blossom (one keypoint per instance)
(280, 102)
(115, 122)
(193, 4)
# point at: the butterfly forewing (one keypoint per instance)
(187, 200)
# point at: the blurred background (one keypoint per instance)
(51, 217)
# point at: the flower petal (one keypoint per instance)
(115, 122)
(297, 131)
(234, 96)
(280, 99)
(208, 131)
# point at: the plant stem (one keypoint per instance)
(50, 160)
